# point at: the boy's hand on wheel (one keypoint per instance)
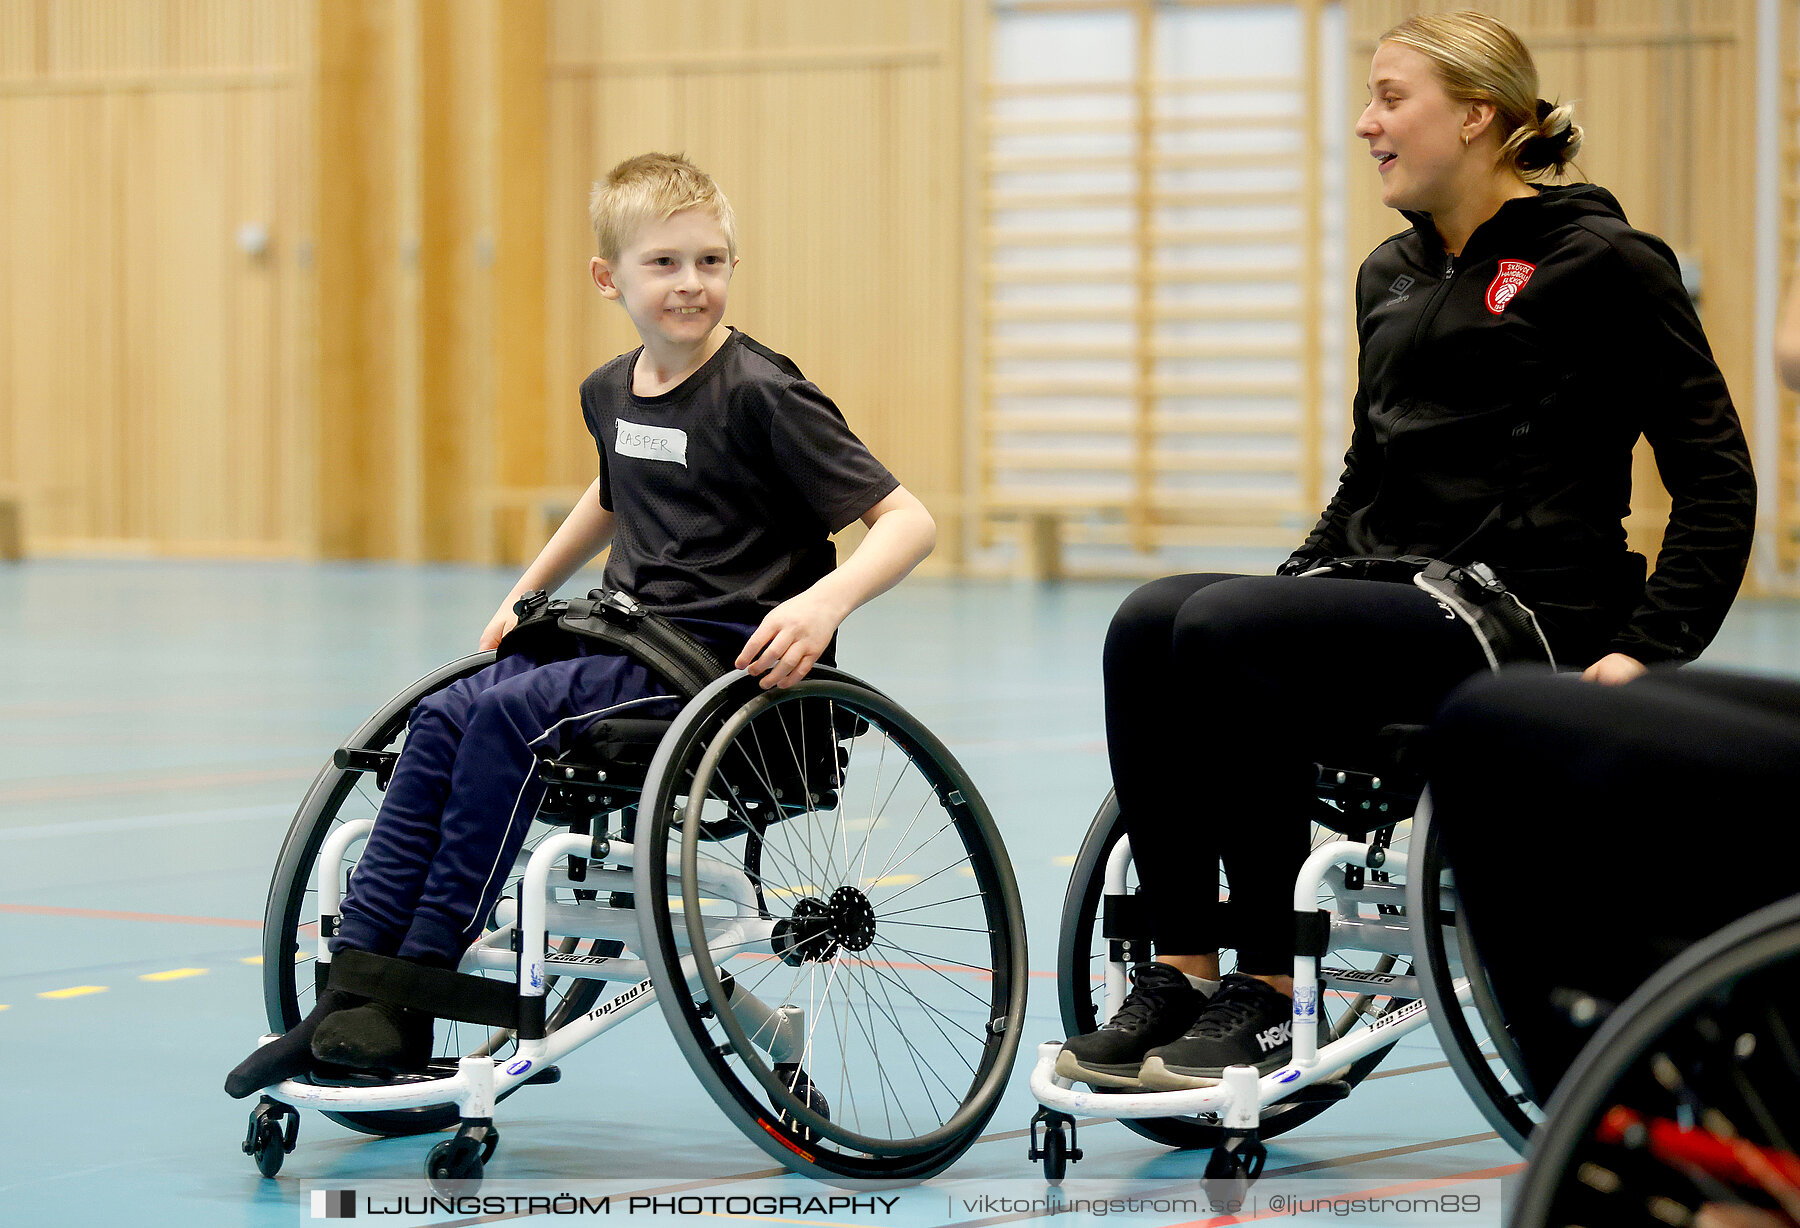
(504, 620)
(790, 639)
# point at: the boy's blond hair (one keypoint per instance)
(648, 188)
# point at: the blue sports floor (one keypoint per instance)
(159, 722)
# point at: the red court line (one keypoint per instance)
(108, 914)
(1386, 1191)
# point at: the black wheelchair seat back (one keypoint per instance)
(547, 628)
(783, 765)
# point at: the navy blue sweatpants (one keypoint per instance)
(463, 793)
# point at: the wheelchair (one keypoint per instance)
(804, 880)
(1678, 1110)
(1376, 898)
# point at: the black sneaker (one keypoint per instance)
(1158, 1009)
(1247, 1023)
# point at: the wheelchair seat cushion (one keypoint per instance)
(617, 740)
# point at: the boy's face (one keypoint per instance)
(672, 278)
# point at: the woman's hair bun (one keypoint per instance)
(1556, 141)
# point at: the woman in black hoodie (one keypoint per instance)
(1515, 343)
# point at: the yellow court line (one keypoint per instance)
(892, 880)
(251, 959)
(173, 974)
(73, 992)
(1063, 861)
(4, 1007)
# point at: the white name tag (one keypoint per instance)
(663, 443)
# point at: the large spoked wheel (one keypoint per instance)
(290, 924)
(877, 918)
(1475, 1039)
(1081, 990)
(1683, 1108)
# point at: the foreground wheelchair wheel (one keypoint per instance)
(1682, 1110)
(1081, 958)
(866, 1026)
(345, 794)
(1476, 1041)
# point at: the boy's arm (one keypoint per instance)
(579, 538)
(794, 633)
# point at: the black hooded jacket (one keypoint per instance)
(1499, 396)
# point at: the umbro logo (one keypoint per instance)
(1275, 1037)
(1401, 288)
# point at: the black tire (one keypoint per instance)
(953, 967)
(269, 1152)
(1692, 1076)
(1056, 1153)
(339, 795)
(454, 1164)
(1476, 1041)
(1081, 951)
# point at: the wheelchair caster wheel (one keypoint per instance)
(455, 1165)
(274, 1128)
(1238, 1158)
(1057, 1149)
(801, 1085)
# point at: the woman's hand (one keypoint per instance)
(504, 620)
(1612, 669)
(790, 639)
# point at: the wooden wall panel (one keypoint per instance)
(363, 453)
(148, 395)
(1781, 480)
(430, 282)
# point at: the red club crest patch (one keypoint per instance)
(1507, 282)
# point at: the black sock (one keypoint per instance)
(290, 1054)
(381, 1036)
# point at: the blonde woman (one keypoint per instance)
(1516, 340)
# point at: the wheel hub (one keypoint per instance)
(818, 929)
(852, 919)
(807, 934)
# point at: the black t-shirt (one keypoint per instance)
(726, 487)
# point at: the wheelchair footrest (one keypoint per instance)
(445, 994)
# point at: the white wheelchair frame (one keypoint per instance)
(1240, 1098)
(684, 787)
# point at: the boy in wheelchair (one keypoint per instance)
(723, 472)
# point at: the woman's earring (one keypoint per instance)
(1465, 137)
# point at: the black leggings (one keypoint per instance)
(1596, 831)
(1221, 693)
